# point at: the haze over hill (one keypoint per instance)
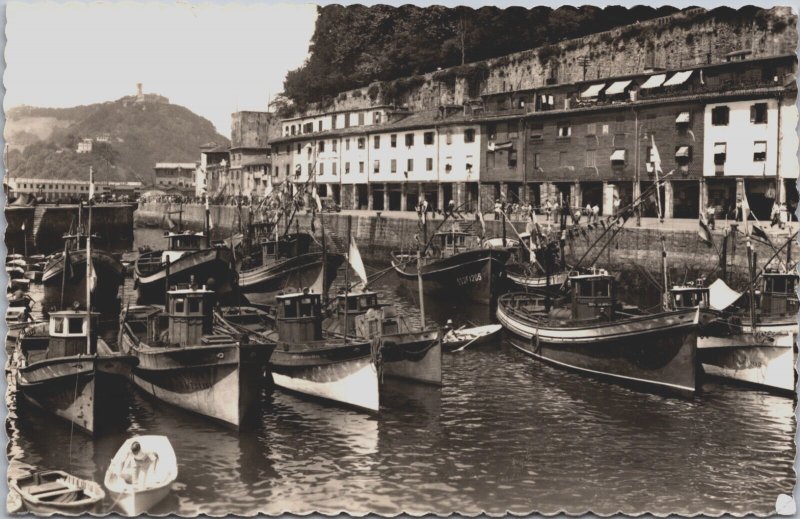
(130, 135)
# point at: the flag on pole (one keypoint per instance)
(315, 196)
(745, 213)
(23, 226)
(760, 233)
(355, 261)
(91, 183)
(656, 158)
(91, 276)
(479, 216)
(705, 233)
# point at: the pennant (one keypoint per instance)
(170, 223)
(479, 217)
(91, 276)
(91, 183)
(316, 198)
(355, 261)
(745, 213)
(760, 233)
(704, 232)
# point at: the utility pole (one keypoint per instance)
(584, 61)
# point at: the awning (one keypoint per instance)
(593, 90)
(618, 87)
(679, 78)
(496, 146)
(683, 151)
(654, 81)
(720, 148)
(683, 117)
(618, 155)
(760, 147)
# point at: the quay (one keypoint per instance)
(380, 232)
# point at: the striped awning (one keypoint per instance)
(618, 155)
(679, 78)
(593, 90)
(683, 151)
(683, 117)
(654, 81)
(618, 87)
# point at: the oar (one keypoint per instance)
(467, 344)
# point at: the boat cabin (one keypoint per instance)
(593, 295)
(778, 296)
(189, 314)
(66, 337)
(181, 242)
(448, 244)
(289, 246)
(690, 296)
(299, 317)
(352, 305)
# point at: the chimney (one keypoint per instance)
(139, 89)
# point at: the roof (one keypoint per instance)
(255, 161)
(175, 165)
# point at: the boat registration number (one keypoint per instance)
(469, 279)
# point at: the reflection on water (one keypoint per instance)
(504, 433)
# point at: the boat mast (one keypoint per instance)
(665, 290)
(346, 279)
(750, 275)
(89, 267)
(66, 260)
(419, 279)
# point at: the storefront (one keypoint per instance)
(592, 194)
(362, 196)
(792, 197)
(649, 204)
(395, 196)
(685, 198)
(721, 196)
(761, 196)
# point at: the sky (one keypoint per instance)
(213, 59)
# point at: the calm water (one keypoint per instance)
(505, 433)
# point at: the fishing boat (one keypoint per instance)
(407, 351)
(590, 333)
(14, 272)
(279, 263)
(57, 492)
(68, 371)
(189, 358)
(135, 494)
(186, 257)
(308, 362)
(107, 269)
(450, 267)
(460, 338)
(734, 347)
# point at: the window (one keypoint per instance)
(410, 164)
(720, 153)
(376, 166)
(321, 168)
(618, 157)
(512, 158)
(179, 306)
(429, 164)
(537, 132)
(759, 151)
(394, 166)
(469, 135)
(309, 168)
(361, 143)
(361, 118)
(76, 325)
(449, 137)
(376, 118)
(308, 150)
(319, 126)
(605, 129)
(491, 130)
(346, 168)
(758, 113)
(321, 146)
(194, 305)
(347, 120)
(537, 161)
(427, 138)
(333, 122)
(683, 155)
(564, 130)
(376, 142)
(287, 170)
(591, 158)
(562, 158)
(347, 144)
(591, 128)
(361, 166)
(720, 116)
(333, 145)
(409, 139)
(393, 140)
(620, 124)
(298, 148)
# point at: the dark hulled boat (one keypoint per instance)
(59, 370)
(189, 358)
(187, 259)
(108, 270)
(307, 361)
(451, 267)
(525, 273)
(591, 334)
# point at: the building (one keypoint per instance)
(85, 146)
(63, 190)
(175, 177)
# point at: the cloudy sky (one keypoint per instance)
(213, 59)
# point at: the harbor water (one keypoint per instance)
(505, 433)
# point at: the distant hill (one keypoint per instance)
(130, 137)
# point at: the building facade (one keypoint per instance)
(175, 177)
(63, 190)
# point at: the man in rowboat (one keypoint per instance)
(138, 465)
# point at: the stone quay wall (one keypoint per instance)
(377, 236)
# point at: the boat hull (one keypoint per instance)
(109, 272)
(657, 352)
(414, 356)
(764, 359)
(210, 267)
(347, 374)
(523, 280)
(84, 390)
(136, 503)
(221, 382)
(299, 272)
(473, 274)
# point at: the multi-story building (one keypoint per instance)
(63, 190)
(175, 177)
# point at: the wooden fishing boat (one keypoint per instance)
(191, 359)
(305, 361)
(407, 351)
(68, 371)
(108, 271)
(462, 337)
(135, 494)
(732, 347)
(14, 272)
(449, 267)
(185, 258)
(593, 336)
(56, 492)
(285, 263)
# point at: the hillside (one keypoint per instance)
(355, 45)
(43, 141)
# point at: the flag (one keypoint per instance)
(355, 261)
(170, 223)
(319, 287)
(91, 275)
(316, 198)
(23, 226)
(760, 233)
(91, 183)
(745, 213)
(657, 167)
(268, 189)
(705, 233)
(479, 216)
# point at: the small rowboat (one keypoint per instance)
(459, 339)
(152, 486)
(54, 491)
